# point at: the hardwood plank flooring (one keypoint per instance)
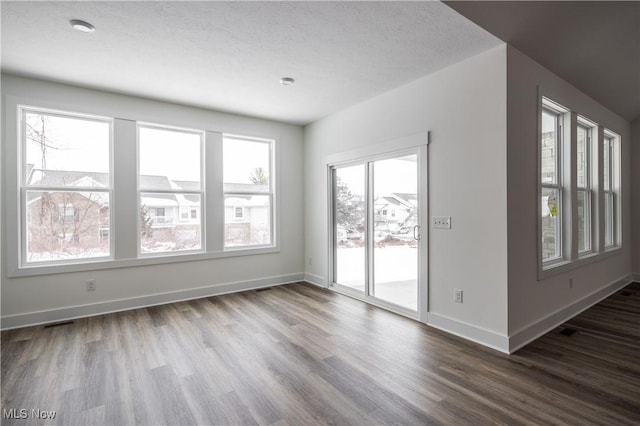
(300, 355)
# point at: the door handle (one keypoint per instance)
(416, 232)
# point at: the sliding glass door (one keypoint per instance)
(395, 231)
(350, 225)
(376, 230)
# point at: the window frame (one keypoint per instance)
(122, 215)
(590, 129)
(23, 188)
(235, 212)
(611, 142)
(271, 194)
(201, 192)
(559, 113)
(573, 258)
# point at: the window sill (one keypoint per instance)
(101, 264)
(559, 267)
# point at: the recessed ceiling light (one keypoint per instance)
(83, 26)
(287, 81)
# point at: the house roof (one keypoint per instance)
(61, 178)
(149, 183)
(406, 200)
(155, 182)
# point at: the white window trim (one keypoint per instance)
(571, 259)
(560, 115)
(273, 198)
(590, 128)
(124, 254)
(21, 110)
(615, 189)
(201, 192)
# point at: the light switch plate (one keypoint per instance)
(441, 222)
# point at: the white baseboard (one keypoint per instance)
(471, 332)
(315, 280)
(73, 312)
(530, 333)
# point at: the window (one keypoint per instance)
(571, 194)
(67, 170)
(583, 165)
(611, 176)
(239, 212)
(169, 180)
(551, 184)
(65, 186)
(248, 191)
(67, 213)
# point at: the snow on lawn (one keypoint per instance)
(395, 272)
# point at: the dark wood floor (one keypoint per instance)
(299, 355)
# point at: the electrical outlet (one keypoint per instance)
(91, 285)
(310, 261)
(457, 295)
(441, 222)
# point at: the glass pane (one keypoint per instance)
(607, 164)
(583, 158)
(67, 225)
(246, 165)
(169, 159)
(550, 224)
(349, 232)
(162, 226)
(395, 256)
(247, 220)
(549, 148)
(66, 151)
(584, 221)
(608, 219)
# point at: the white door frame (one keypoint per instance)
(414, 144)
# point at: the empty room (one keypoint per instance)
(320, 212)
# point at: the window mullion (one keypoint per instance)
(214, 199)
(570, 186)
(124, 211)
(598, 219)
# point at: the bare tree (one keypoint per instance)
(66, 220)
(145, 222)
(348, 209)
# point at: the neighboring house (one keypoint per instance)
(247, 220)
(168, 210)
(59, 220)
(67, 221)
(395, 211)
(82, 219)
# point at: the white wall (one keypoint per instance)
(464, 108)
(535, 306)
(52, 297)
(635, 193)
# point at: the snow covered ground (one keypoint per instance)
(396, 270)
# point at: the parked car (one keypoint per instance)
(353, 234)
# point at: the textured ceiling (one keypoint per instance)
(229, 56)
(593, 44)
